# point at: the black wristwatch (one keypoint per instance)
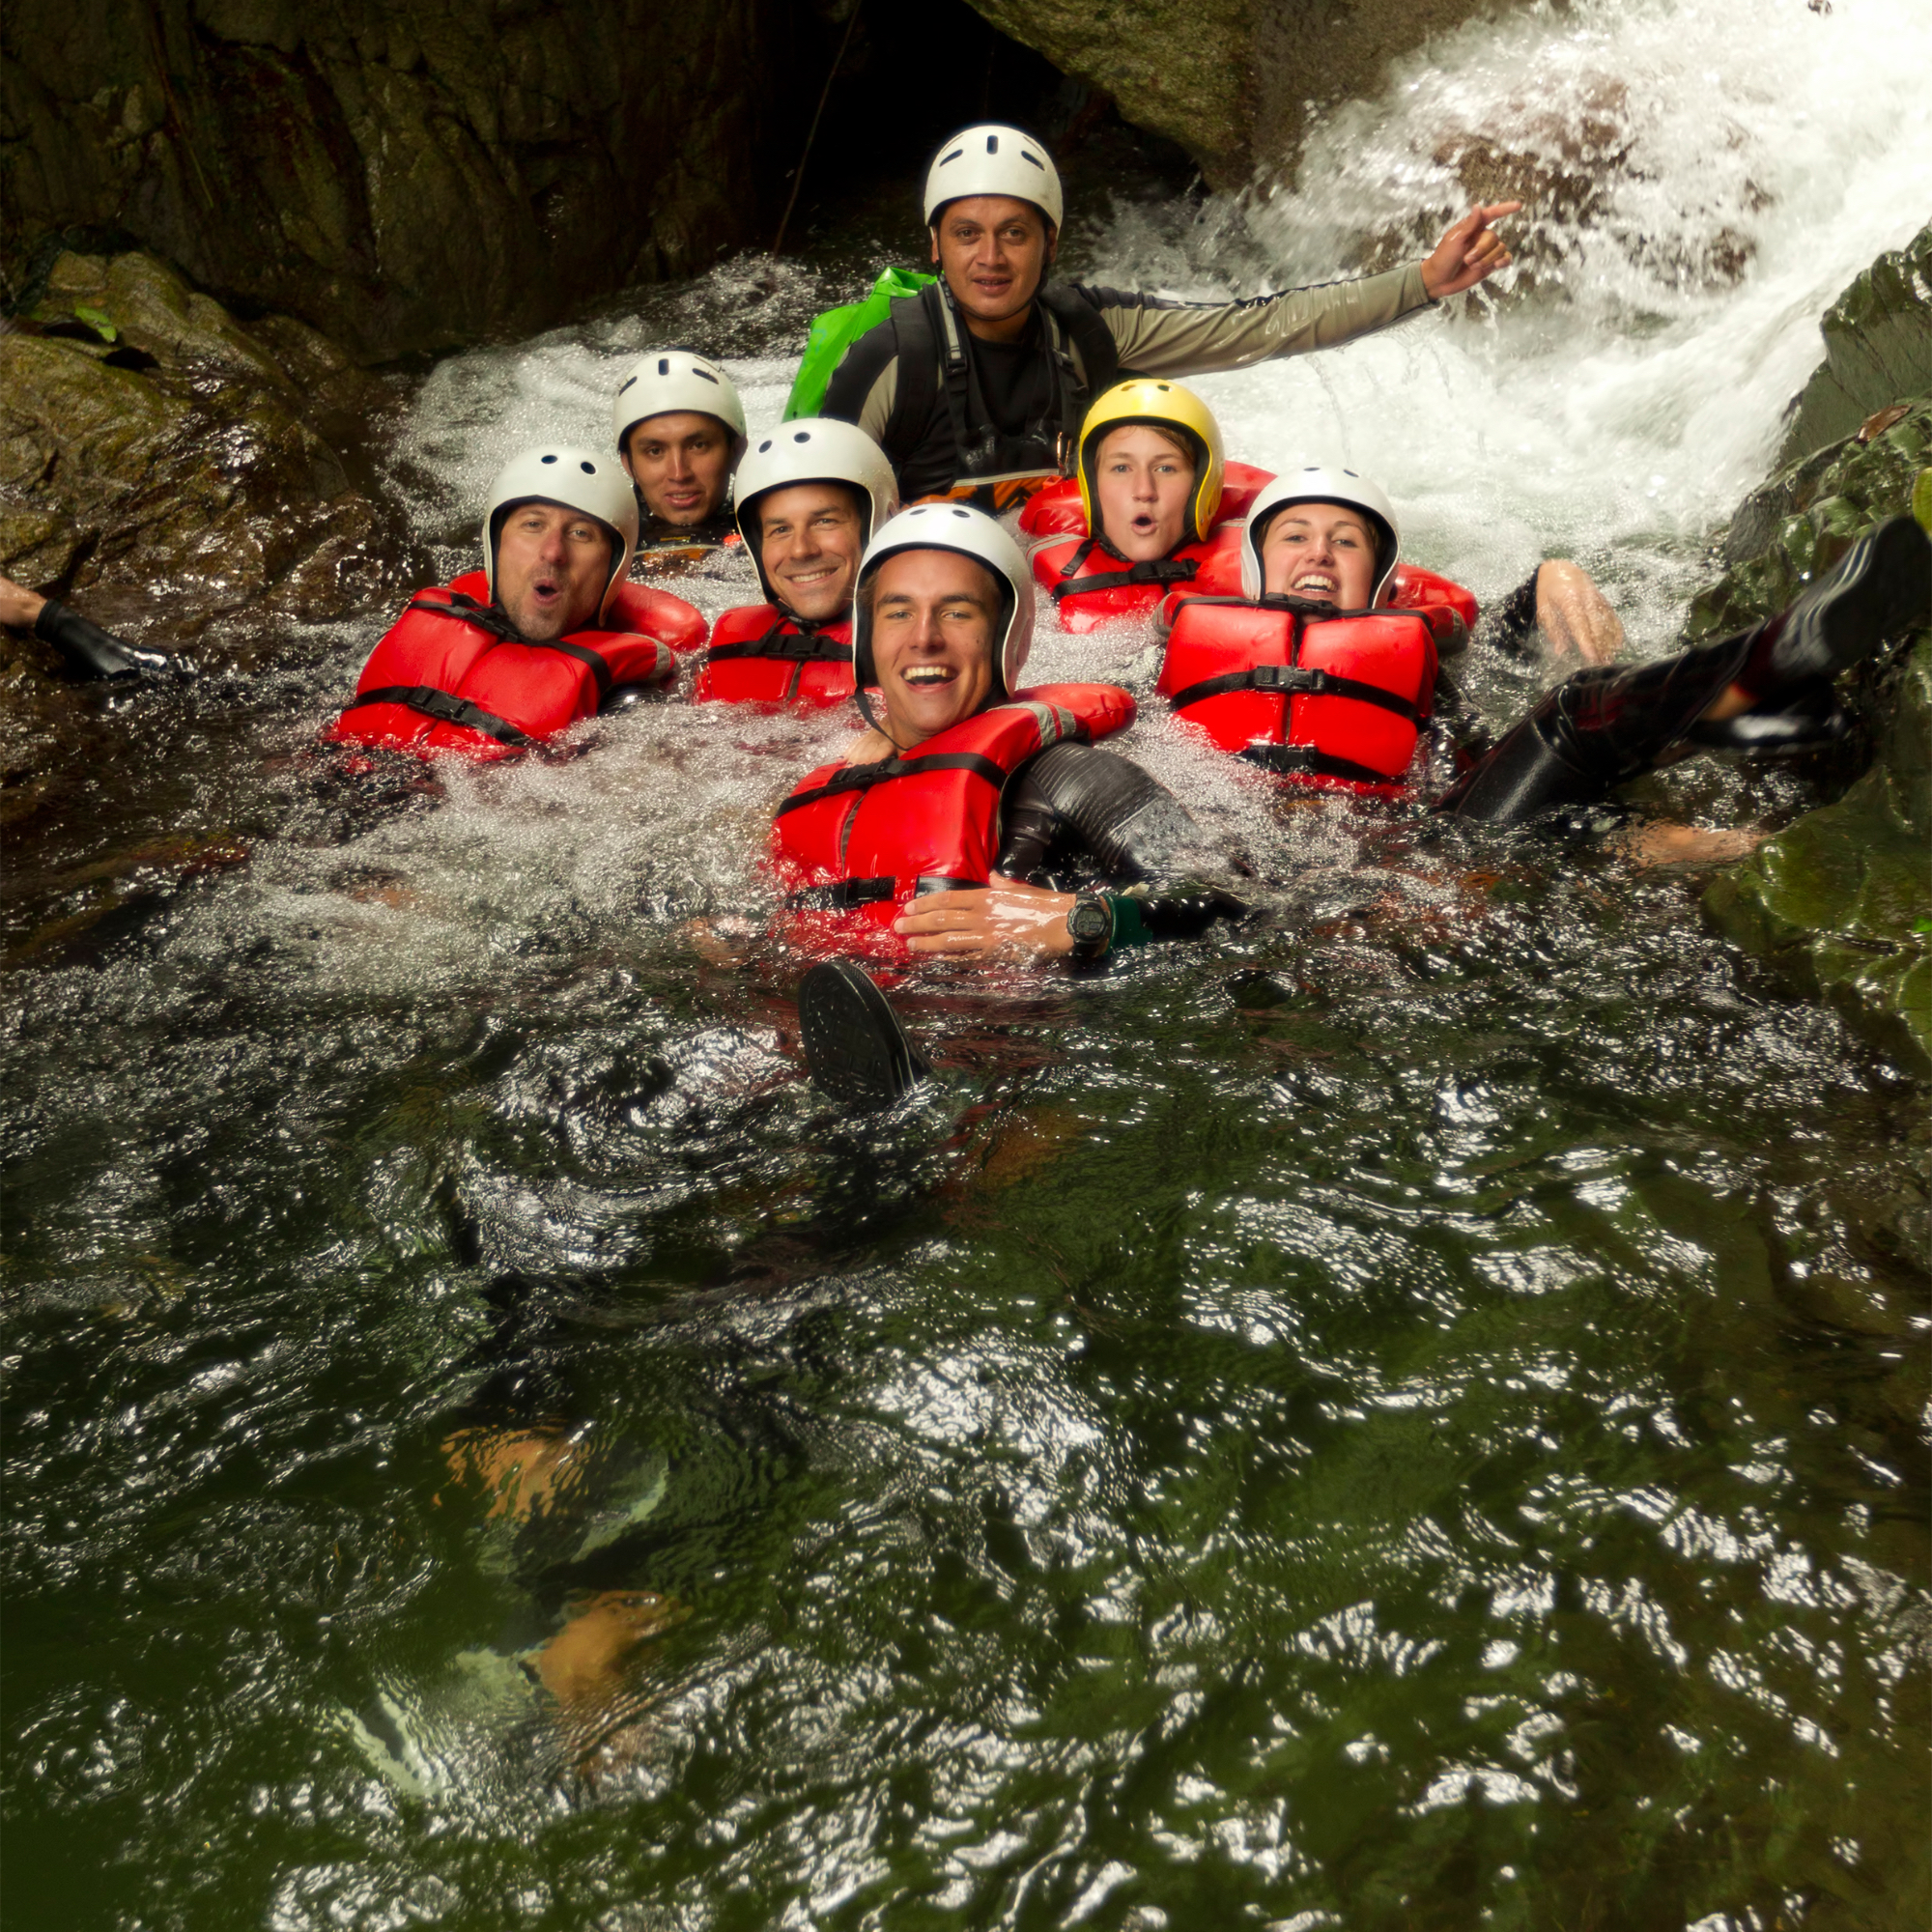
(1090, 920)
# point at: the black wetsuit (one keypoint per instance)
(88, 652)
(1075, 815)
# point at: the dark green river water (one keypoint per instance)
(1394, 1419)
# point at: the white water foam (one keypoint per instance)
(1737, 164)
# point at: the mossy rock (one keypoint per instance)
(1805, 517)
(1841, 903)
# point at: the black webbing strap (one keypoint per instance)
(862, 777)
(466, 609)
(1099, 351)
(487, 618)
(803, 645)
(1296, 681)
(846, 894)
(449, 709)
(1295, 760)
(1163, 570)
(917, 349)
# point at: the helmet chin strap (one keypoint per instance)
(872, 724)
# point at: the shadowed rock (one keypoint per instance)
(405, 173)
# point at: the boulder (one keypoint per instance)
(1229, 80)
(1878, 349)
(165, 466)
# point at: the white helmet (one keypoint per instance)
(1317, 484)
(812, 450)
(578, 480)
(994, 160)
(675, 379)
(972, 533)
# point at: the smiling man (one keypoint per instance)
(547, 633)
(810, 497)
(975, 388)
(973, 817)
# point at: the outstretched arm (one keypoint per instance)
(1159, 336)
(86, 649)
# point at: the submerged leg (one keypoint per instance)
(854, 1045)
(1609, 724)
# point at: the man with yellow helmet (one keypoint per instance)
(976, 386)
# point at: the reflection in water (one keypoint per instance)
(1405, 1416)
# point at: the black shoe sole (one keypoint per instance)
(854, 1045)
(1882, 587)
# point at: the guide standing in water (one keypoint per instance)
(975, 388)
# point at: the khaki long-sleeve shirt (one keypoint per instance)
(1154, 335)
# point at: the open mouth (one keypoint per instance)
(921, 676)
(1144, 525)
(1315, 583)
(804, 579)
(546, 591)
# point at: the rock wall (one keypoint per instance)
(400, 174)
(1231, 81)
(1841, 904)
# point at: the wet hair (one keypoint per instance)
(1380, 535)
(862, 502)
(1179, 438)
(1002, 591)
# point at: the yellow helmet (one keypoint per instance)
(1164, 406)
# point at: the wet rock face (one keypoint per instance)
(1841, 904)
(402, 174)
(162, 465)
(1878, 349)
(1230, 80)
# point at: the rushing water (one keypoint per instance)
(1406, 1415)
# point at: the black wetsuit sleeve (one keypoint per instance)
(1076, 810)
(1511, 625)
(863, 388)
(90, 652)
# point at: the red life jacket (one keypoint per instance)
(854, 842)
(1089, 586)
(1451, 610)
(762, 655)
(1056, 511)
(1325, 700)
(453, 675)
(634, 607)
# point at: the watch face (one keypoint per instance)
(1088, 918)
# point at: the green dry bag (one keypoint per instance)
(836, 330)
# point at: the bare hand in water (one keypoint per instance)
(1574, 616)
(1009, 916)
(18, 606)
(1471, 250)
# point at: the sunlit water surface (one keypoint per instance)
(1397, 1416)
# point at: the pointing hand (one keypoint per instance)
(1468, 252)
